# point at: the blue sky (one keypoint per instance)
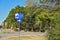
(7, 5)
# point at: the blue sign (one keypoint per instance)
(19, 21)
(19, 16)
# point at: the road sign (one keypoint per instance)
(19, 21)
(19, 16)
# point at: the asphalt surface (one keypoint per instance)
(22, 34)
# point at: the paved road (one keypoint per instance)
(22, 34)
(31, 33)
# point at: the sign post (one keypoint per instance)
(19, 18)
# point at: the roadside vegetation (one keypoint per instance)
(37, 19)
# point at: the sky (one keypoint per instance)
(7, 5)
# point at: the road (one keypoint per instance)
(22, 34)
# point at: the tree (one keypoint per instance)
(33, 3)
(54, 33)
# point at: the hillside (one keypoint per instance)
(37, 19)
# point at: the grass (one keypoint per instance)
(7, 31)
(38, 37)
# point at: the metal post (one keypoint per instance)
(19, 31)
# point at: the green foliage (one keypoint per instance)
(37, 19)
(43, 1)
(54, 33)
